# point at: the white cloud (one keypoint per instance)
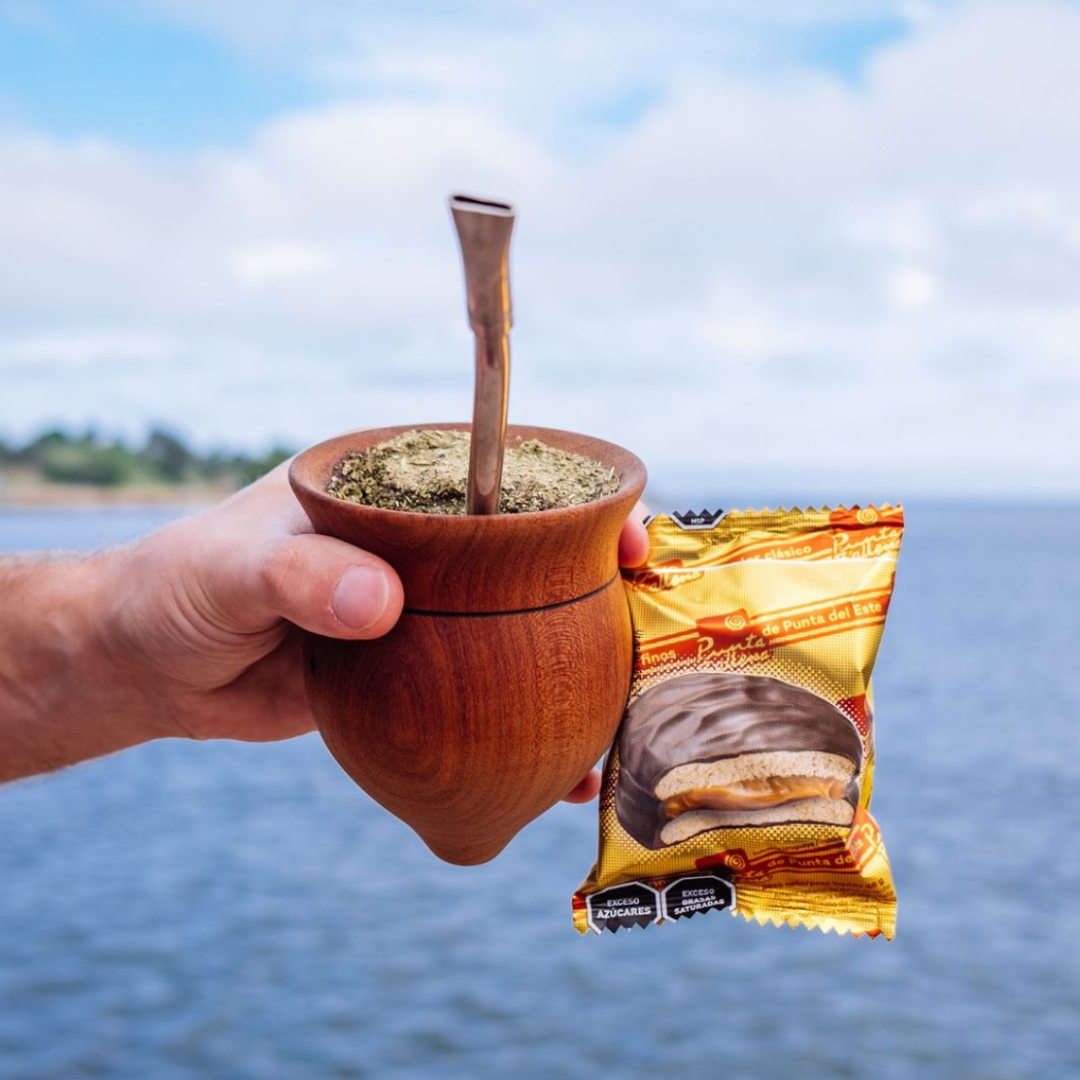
(760, 279)
(277, 262)
(86, 348)
(909, 288)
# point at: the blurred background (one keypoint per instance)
(819, 246)
(789, 252)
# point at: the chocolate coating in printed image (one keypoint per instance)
(713, 750)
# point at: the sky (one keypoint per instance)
(830, 249)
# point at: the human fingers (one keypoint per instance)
(266, 703)
(259, 562)
(585, 790)
(634, 539)
(324, 585)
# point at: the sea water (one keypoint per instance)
(231, 911)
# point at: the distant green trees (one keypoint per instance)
(164, 458)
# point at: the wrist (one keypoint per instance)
(64, 693)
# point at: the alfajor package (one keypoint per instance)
(740, 777)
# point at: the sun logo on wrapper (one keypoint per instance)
(723, 778)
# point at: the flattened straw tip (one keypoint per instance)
(477, 205)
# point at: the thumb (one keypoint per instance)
(329, 587)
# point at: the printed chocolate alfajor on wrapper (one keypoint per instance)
(740, 778)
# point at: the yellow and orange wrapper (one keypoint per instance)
(741, 775)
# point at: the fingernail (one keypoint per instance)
(360, 597)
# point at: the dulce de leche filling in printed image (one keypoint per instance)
(710, 749)
(741, 775)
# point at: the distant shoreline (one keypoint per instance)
(62, 470)
(50, 496)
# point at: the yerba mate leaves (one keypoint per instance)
(426, 472)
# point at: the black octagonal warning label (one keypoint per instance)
(633, 904)
(699, 892)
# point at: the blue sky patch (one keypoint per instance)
(144, 78)
(91, 72)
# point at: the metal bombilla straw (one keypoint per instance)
(484, 229)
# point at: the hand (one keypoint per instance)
(192, 631)
(633, 551)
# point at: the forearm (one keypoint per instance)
(61, 700)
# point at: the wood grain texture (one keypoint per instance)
(469, 725)
(467, 728)
(497, 562)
